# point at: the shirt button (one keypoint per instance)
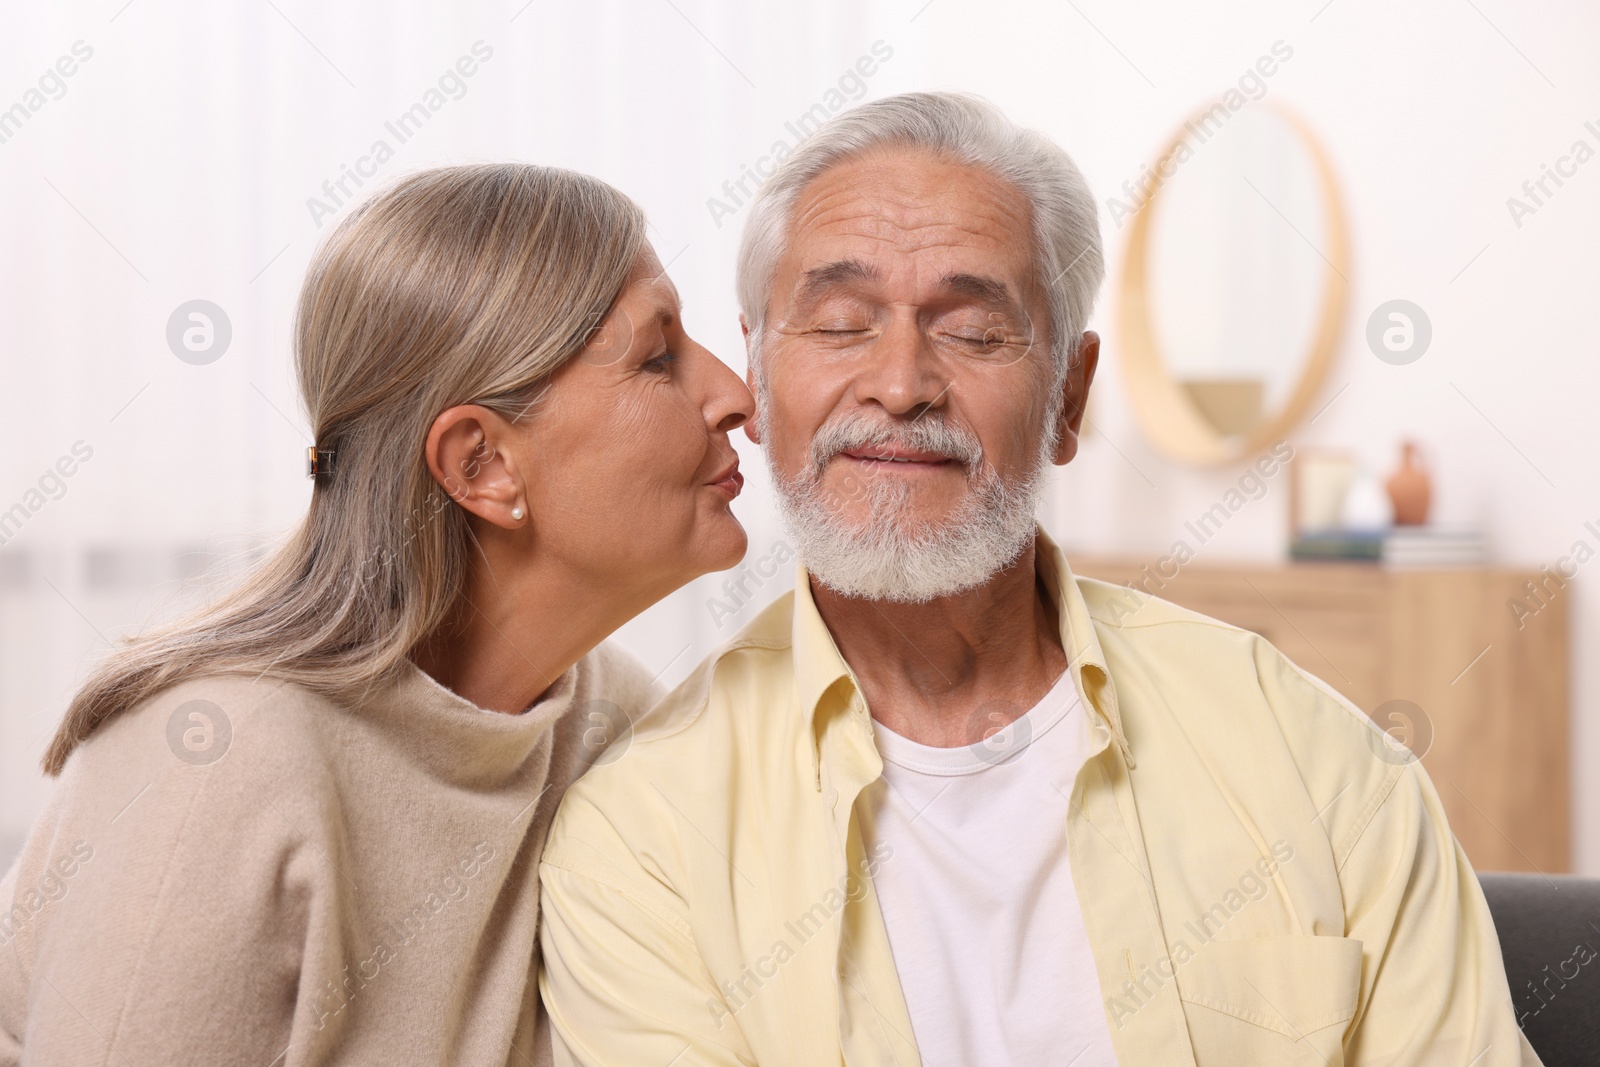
(831, 796)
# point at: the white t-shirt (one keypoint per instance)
(977, 897)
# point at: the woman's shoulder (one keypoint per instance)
(188, 832)
(229, 722)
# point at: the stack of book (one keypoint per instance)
(1414, 547)
(1400, 548)
(1363, 545)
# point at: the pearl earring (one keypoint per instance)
(517, 513)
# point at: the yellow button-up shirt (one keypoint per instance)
(1264, 879)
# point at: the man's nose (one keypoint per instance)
(901, 371)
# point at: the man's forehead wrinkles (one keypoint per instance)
(852, 216)
(914, 232)
(898, 194)
(928, 258)
(924, 228)
(934, 267)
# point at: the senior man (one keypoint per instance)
(946, 803)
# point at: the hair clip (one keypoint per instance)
(319, 461)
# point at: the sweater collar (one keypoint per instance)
(457, 740)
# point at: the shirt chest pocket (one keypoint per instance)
(1278, 1000)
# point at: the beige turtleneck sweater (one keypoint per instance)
(346, 884)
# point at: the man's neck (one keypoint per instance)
(951, 671)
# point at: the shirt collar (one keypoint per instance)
(823, 677)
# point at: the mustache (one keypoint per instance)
(926, 433)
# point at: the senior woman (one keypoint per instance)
(303, 826)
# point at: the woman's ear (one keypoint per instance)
(468, 455)
(1075, 395)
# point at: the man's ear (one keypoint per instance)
(468, 455)
(1075, 395)
(750, 425)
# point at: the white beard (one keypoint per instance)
(891, 555)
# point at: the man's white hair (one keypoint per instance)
(961, 128)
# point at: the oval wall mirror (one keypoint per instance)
(1234, 284)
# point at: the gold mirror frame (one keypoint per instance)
(1166, 414)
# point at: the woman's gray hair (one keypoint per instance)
(461, 285)
(964, 129)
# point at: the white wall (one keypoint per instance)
(178, 163)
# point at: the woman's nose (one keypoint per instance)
(728, 403)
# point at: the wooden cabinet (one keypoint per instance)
(1490, 680)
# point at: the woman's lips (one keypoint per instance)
(730, 481)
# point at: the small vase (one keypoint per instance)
(1409, 488)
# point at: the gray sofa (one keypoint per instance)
(1549, 929)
